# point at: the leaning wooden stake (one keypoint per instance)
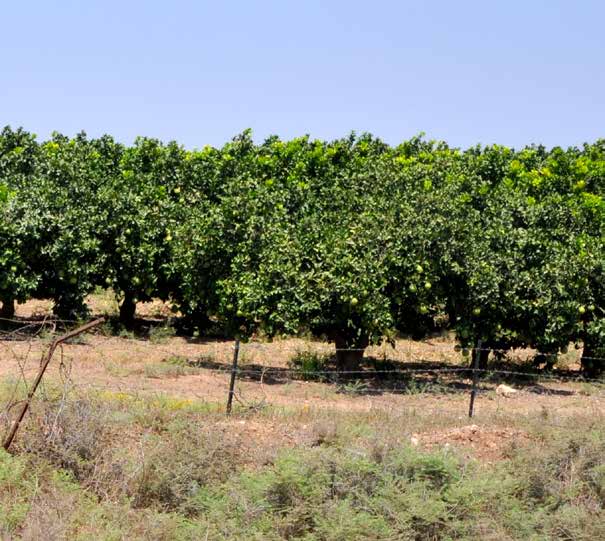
(233, 376)
(45, 361)
(471, 406)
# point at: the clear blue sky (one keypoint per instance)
(512, 72)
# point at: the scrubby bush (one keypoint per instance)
(310, 365)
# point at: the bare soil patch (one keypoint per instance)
(483, 442)
(197, 371)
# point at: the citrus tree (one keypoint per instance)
(18, 158)
(529, 263)
(351, 240)
(139, 202)
(61, 204)
(312, 257)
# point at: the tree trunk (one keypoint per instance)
(70, 308)
(349, 352)
(483, 357)
(548, 359)
(8, 308)
(592, 365)
(128, 310)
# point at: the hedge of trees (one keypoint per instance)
(352, 239)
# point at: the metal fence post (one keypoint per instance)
(478, 349)
(44, 362)
(233, 376)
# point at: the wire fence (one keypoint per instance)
(262, 374)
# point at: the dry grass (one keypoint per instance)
(196, 370)
(148, 467)
(135, 427)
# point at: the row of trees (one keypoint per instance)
(352, 239)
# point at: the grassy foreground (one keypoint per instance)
(109, 466)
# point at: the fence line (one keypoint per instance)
(456, 348)
(362, 381)
(445, 347)
(142, 345)
(465, 370)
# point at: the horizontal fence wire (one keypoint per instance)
(456, 348)
(271, 348)
(257, 365)
(43, 321)
(445, 347)
(419, 380)
(457, 370)
(129, 345)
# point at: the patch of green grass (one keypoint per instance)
(126, 334)
(335, 493)
(117, 369)
(354, 387)
(40, 502)
(309, 365)
(162, 370)
(161, 334)
(110, 465)
(14, 492)
(178, 360)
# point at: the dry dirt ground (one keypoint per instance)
(274, 408)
